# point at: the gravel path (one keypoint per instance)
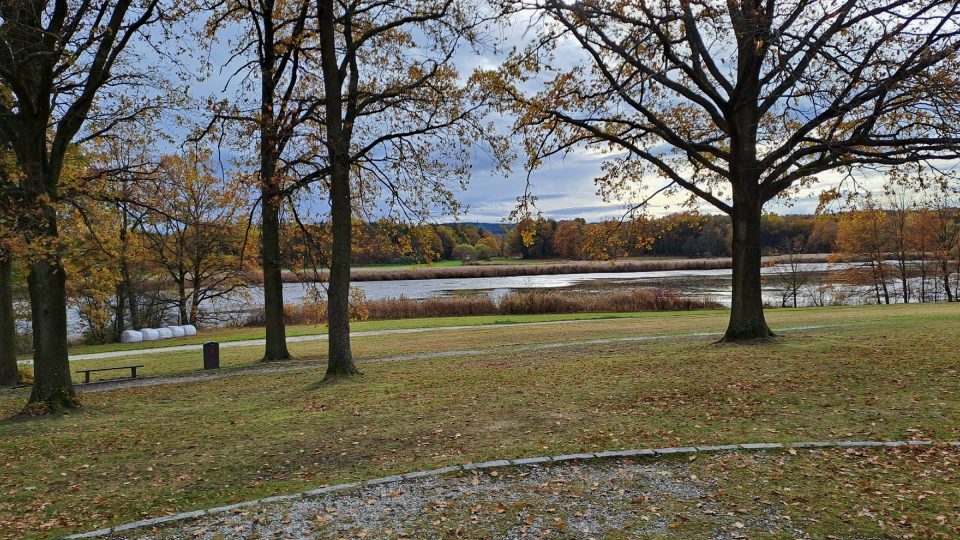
(617, 494)
(568, 501)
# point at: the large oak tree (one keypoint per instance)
(738, 102)
(56, 58)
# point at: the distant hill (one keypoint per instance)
(493, 228)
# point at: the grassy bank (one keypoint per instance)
(866, 373)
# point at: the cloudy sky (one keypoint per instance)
(564, 186)
(565, 189)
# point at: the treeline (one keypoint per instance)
(680, 234)
(391, 242)
(910, 243)
(151, 251)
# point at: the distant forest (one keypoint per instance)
(684, 235)
(854, 232)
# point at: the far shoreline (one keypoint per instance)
(506, 269)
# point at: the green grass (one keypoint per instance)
(244, 333)
(872, 373)
(436, 264)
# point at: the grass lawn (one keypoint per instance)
(435, 264)
(888, 372)
(244, 333)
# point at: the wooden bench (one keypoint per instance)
(87, 372)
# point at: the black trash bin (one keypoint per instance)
(211, 355)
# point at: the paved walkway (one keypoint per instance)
(323, 337)
(300, 339)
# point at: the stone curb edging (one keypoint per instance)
(614, 454)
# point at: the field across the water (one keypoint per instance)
(453, 396)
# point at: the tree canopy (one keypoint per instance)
(738, 102)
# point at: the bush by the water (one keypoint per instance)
(513, 303)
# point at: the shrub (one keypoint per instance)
(465, 253)
(484, 253)
(26, 374)
(491, 244)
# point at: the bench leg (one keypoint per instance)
(133, 373)
(86, 377)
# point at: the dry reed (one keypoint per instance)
(513, 303)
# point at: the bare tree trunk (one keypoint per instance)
(9, 375)
(52, 384)
(127, 285)
(276, 333)
(876, 283)
(127, 293)
(904, 277)
(746, 309)
(120, 312)
(340, 359)
(883, 281)
(924, 270)
(195, 308)
(945, 266)
(182, 316)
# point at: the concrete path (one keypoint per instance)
(299, 339)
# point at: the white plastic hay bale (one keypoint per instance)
(165, 333)
(150, 334)
(189, 330)
(131, 336)
(177, 331)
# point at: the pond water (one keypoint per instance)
(820, 289)
(712, 284)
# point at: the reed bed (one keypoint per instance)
(513, 303)
(538, 302)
